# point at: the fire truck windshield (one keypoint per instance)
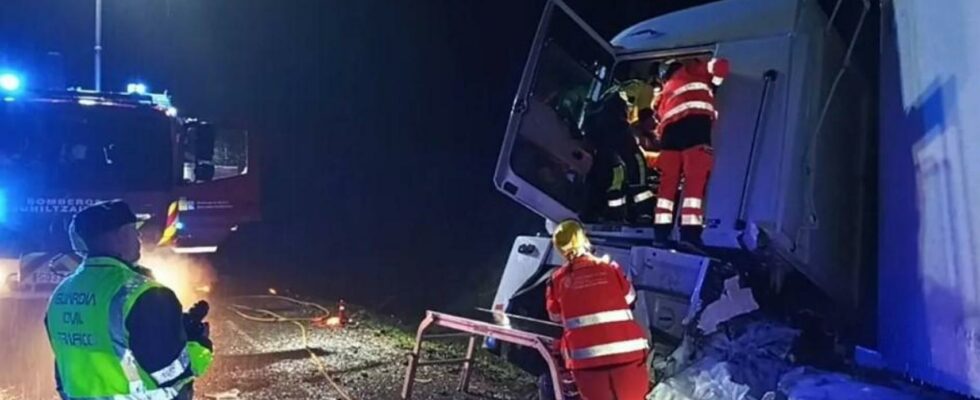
(67, 145)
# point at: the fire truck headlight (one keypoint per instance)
(136, 88)
(10, 82)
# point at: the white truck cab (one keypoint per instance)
(792, 146)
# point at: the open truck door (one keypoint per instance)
(545, 160)
(790, 143)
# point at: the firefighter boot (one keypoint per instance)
(669, 165)
(697, 169)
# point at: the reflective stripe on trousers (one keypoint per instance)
(604, 317)
(608, 349)
(643, 196)
(689, 220)
(692, 202)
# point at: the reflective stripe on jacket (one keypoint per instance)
(591, 298)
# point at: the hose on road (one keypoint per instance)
(267, 316)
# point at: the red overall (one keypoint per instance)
(686, 111)
(603, 347)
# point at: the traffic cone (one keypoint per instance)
(342, 312)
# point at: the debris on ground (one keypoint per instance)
(735, 300)
(807, 383)
(742, 360)
(226, 395)
(709, 379)
(366, 358)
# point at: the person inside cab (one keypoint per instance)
(116, 333)
(645, 132)
(685, 110)
(602, 346)
(618, 178)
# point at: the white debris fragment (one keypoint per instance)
(735, 301)
(707, 384)
(226, 395)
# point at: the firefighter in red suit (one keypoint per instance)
(603, 347)
(686, 112)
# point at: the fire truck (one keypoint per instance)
(63, 150)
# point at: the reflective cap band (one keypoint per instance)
(617, 202)
(690, 105)
(692, 220)
(665, 204)
(711, 65)
(663, 218)
(647, 195)
(173, 370)
(604, 317)
(608, 349)
(692, 202)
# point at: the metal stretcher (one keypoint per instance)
(473, 328)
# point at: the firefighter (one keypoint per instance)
(686, 112)
(602, 346)
(618, 176)
(117, 333)
(645, 132)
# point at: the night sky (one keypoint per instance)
(380, 124)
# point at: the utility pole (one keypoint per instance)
(98, 45)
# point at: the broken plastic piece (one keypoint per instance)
(226, 395)
(735, 301)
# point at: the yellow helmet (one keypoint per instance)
(570, 239)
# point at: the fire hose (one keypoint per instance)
(272, 317)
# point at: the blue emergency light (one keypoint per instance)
(11, 82)
(3, 207)
(136, 88)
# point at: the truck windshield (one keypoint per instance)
(54, 146)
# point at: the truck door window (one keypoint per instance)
(549, 151)
(223, 149)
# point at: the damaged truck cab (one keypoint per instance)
(792, 147)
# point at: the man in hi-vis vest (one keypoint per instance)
(117, 333)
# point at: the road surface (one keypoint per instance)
(269, 360)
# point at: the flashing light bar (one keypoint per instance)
(3, 207)
(10, 82)
(136, 88)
